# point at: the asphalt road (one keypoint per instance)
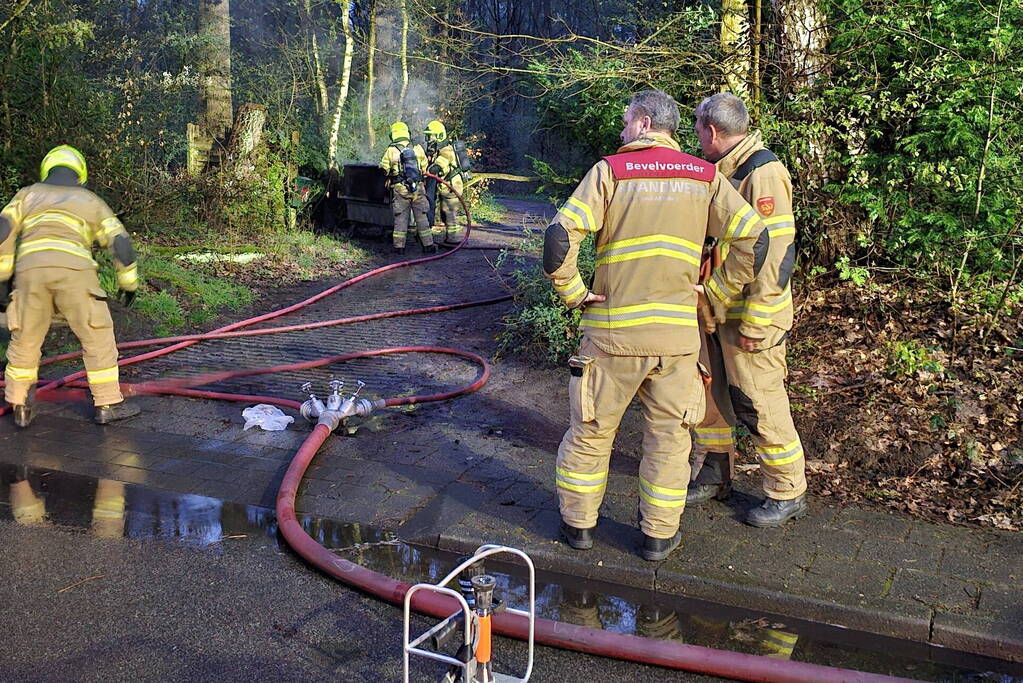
(81, 608)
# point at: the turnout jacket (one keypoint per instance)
(57, 225)
(764, 182)
(446, 162)
(652, 207)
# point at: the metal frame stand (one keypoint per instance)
(470, 622)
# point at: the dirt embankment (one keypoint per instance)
(908, 403)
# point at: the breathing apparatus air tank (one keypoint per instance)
(410, 174)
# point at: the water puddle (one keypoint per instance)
(113, 509)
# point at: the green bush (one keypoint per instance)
(907, 358)
(540, 326)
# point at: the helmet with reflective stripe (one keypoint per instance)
(399, 130)
(64, 155)
(437, 130)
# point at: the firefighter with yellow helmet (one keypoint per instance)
(405, 163)
(443, 163)
(748, 348)
(47, 233)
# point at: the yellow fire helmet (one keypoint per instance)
(436, 129)
(399, 130)
(64, 155)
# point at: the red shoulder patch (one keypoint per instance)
(660, 162)
(765, 205)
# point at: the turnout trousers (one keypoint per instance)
(403, 201)
(749, 388)
(453, 230)
(601, 388)
(78, 296)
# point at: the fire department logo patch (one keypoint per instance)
(765, 205)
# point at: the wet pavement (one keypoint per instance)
(49, 502)
(453, 475)
(80, 607)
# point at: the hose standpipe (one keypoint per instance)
(483, 597)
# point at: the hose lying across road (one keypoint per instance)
(664, 653)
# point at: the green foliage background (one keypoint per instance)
(904, 151)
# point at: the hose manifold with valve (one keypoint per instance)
(337, 409)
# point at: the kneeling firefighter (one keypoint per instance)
(57, 221)
(405, 164)
(444, 162)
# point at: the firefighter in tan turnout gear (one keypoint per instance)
(748, 350)
(443, 163)
(651, 207)
(404, 164)
(46, 236)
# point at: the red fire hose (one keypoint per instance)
(666, 653)
(558, 634)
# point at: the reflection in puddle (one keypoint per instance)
(111, 509)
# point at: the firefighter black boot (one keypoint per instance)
(22, 415)
(400, 251)
(655, 549)
(580, 539)
(117, 411)
(776, 512)
(713, 480)
(430, 249)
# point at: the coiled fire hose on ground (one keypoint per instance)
(670, 654)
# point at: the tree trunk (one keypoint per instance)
(342, 95)
(803, 40)
(736, 50)
(215, 60)
(246, 135)
(371, 47)
(445, 35)
(404, 60)
(322, 100)
(757, 38)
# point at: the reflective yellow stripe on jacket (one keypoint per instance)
(63, 218)
(12, 211)
(647, 246)
(572, 292)
(777, 226)
(108, 229)
(741, 224)
(579, 213)
(50, 244)
(759, 314)
(596, 315)
(128, 277)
